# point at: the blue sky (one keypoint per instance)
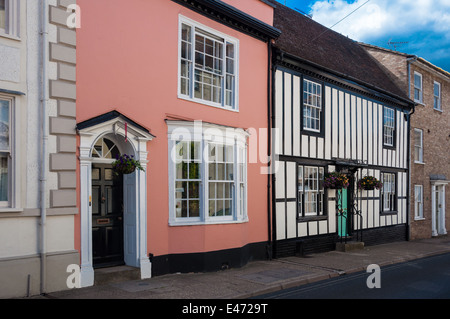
(423, 24)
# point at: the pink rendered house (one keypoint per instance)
(182, 86)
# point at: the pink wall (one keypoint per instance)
(127, 60)
(255, 8)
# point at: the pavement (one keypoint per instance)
(261, 277)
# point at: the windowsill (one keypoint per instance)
(204, 223)
(312, 218)
(215, 105)
(387, 213)
(420, 103)
(421, 163)
(11, 37)
(419, 218)
(389, 147)
(320, 133)
(10, 210)
(438, 110)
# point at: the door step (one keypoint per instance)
(104, 276)
(349, 246)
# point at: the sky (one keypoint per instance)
(418, 27)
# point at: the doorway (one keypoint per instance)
(438, 209)
(107, 216)
(342, 199)
(121, 205)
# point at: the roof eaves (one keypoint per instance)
(381, 92)
(232, 17)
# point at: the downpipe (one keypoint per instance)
(44, 139)
(408, 118)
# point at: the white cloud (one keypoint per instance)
(383, 17)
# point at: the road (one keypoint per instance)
(427, 278)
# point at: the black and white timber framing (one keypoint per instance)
(351, 137)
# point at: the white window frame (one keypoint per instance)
(305, 195)
(437, 98)
(418, 202)
(313, 104)
(206, 135)
(217, 36)
(389, 191)
(418, 146)
(12, 20)
(418, 89)
(389, 130)
(13, 154)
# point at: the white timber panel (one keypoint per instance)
(291, 180)
(328, 122)
(278, 111)
(296, 116)
(287, 113)
(291, 219)
(279, 180)
(280, 221)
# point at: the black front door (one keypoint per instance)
(107, 216)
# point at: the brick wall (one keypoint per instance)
(435, 126)
(436, 132)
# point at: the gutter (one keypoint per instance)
(44, 137)
(287, 57)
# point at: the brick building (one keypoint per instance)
(429, 86)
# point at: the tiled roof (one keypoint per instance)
(310, 41)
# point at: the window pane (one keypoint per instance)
(417, 81)
(4, 125)
(3, 178)
(194, 208)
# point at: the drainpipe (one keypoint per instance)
(269, 147)
(44, 137)
(408, 116)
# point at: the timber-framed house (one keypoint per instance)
(334, 110)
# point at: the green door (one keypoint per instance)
(343, 214)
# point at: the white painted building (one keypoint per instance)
(38, 147)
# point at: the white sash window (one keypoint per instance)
(208, 65)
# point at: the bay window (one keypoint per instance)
(207, 174)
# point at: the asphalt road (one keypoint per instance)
(427, 278)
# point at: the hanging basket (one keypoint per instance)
(126, 164)
(335, 180)
(369, 183)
